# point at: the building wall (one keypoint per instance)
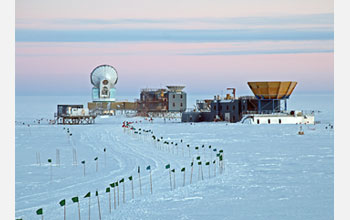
(177, 101)
(226, 110)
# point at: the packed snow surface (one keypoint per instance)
(270, 172)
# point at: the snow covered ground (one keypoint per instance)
(270, 171)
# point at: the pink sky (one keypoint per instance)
(46, 64)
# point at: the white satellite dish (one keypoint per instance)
(104, 77)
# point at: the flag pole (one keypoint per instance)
(132, 188)
(118, 191)
(104, 150)
(214, 162)
(98, 203)
(174, 178)
(50, 171)
(202, 171)
(140, 180)
(209, 171)
(50, 161)
(115, 206)
(191, 171)
(171, 188)
(109, 198)
(64, 212)
(199, 171)
(96, 159)
(89, 206)
(184, 177)
(123, 192)
(79, 209)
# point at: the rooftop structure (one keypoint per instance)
(272, 89)
(272, 92)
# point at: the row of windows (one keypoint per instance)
(269, 121)
(181, 105)
(181, 96)
(227, 107)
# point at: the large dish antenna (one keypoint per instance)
(104, 75)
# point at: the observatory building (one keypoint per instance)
(162, 101)
(103, 78)
(265, 107)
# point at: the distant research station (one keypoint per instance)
(268, 105)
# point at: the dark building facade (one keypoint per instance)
(231, 110)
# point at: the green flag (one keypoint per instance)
(183, 169)
(148, 168)
(221, 151)
(83, 162)
(173, 170)
(207, 163)
(63, 202)
(167, 166)
(198, 158)
(138, 169)
(196, 148)
(191, 164)
(108, 190)
(220, 157)
(121, 181)
(96, 193)
(112, 185)
(172, 142)
(175, 144)
(188, 145)
(75, 199)
(217, 155)
(199, 163)
(213, 161)
(209, 146)
(130, 177)
(203, 146)
(49, 160)
(104, 149)
(39, 211)
(87, 195)
(96, 158)
(214, 150)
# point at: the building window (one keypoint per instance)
(227, 107)
(215, 107)
(181, 104)
(220, 107)
(173, 104)
(269, 121)
(173, 96)
(233, 108)
(280, 121)
(181, 96)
